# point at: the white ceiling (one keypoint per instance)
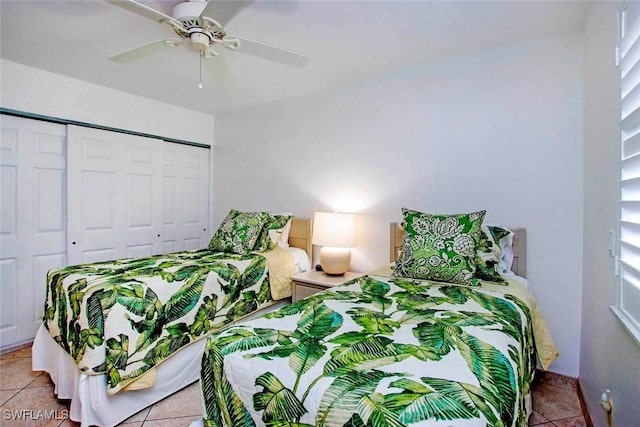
(345, 41)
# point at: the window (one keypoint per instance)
(628, 301)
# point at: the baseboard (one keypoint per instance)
(14, 347)
(583, 406)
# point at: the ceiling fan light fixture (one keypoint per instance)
(199, 41)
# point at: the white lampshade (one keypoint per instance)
(334, 229)
(336, 233)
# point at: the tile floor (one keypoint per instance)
(555, 400)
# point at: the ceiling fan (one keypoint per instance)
(200, 25)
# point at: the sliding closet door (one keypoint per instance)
(71, 195)
(32, 221)
(186, 197)
(115, 196)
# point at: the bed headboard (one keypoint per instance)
(519, 265)
(300, 235)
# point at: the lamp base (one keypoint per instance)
(335, 261)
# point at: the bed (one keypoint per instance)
(118, 336)
(389, 350)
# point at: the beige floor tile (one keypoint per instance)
(5, 395)
(555, 403)
(34, 407)
(17, 354)
(42, 380)
(571, 422)
(186, 402)
(536, 419)
(140, 416)
(557, 380)
(171, 422)
(16, 373)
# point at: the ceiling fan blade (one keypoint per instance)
(146, 11)
(220, 74)
(270, 52)
(144, 50)
(223, 10)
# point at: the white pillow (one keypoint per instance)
(283, 240)
(506, 247)
(301, 259)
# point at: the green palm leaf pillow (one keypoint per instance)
(489, 252)
(238, 232)
(440, 247)
(271, 232)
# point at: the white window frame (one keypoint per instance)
(627, 307)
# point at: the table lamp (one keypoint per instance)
(336, 233)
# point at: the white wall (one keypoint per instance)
(609, 358)
(499, 130)
(35, 91)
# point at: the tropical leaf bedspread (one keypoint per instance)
(121, 318)
(377, 351)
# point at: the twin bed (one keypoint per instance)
(121, 335)
(391, 348)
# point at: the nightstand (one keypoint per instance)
(311, 282)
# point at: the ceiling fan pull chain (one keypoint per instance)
(200, 84)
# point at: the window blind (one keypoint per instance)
(628, 300)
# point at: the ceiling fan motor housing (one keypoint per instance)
(200, 30)
(189, 10)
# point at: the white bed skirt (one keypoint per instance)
(90, 403)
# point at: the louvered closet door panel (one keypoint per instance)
(186, 197)
(32, 221)
(115, 195)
